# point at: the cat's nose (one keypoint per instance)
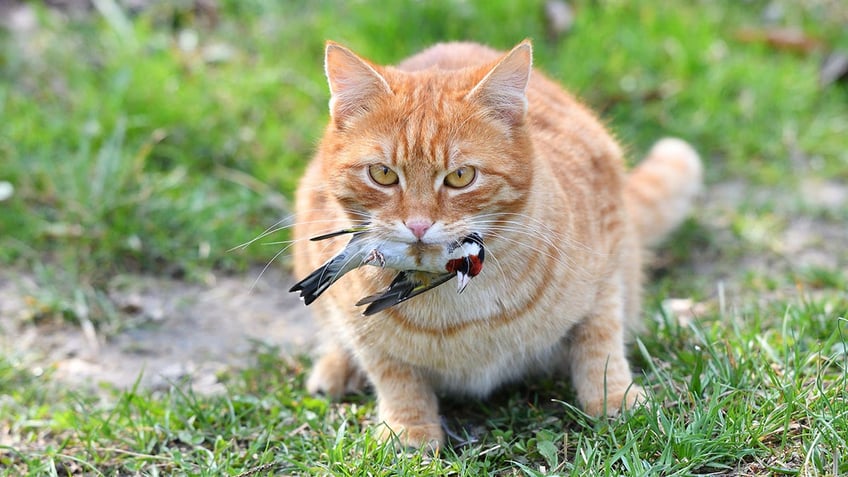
(418, 227)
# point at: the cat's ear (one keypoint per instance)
(354, 83)
(504, 88)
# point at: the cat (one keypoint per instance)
(462, 139)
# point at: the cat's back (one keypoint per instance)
(450, 56)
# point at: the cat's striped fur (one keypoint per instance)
(563, 223)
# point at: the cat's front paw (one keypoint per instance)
(614, 401)
(334, 375)
(428, 436)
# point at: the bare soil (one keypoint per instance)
(179, 331)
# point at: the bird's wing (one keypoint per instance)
(319, 280)
(315, 283)
(407, 284)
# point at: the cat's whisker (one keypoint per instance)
(270, 230)
(492, 256)
(534, 234)
(541, 226)
(502, 232)
(267, 265)
(518, 228)
(277, 227)
(562, 259)
(530, 233)
(255, 239)
(278, 242)
(541, 229)
(264, 234)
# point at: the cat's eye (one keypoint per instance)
(461, 177)
(382, 174)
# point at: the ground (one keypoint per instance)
(180, 331)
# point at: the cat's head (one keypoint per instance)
(427, 157)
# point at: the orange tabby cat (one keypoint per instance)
(461, 139)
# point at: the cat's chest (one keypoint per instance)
(488, 326)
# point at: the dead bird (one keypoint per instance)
(411, 283)
(465, 262)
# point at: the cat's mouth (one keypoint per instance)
(436, 257)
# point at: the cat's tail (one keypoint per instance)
(661, 189)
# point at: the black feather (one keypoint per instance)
(402, 288)
(313, 285)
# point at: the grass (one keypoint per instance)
(155, 141)
(723, 397)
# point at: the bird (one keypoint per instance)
(465, 262)
(411, 283)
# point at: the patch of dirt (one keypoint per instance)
(795, 230)
(186, 331)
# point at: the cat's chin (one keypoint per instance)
(428, 257)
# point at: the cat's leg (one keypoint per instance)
(335, 372)
(407, 405)
(596, 357)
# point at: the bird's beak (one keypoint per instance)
(462, 281)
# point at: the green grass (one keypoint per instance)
(732, 393)
(156, 141)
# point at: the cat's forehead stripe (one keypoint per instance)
(422, 138)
